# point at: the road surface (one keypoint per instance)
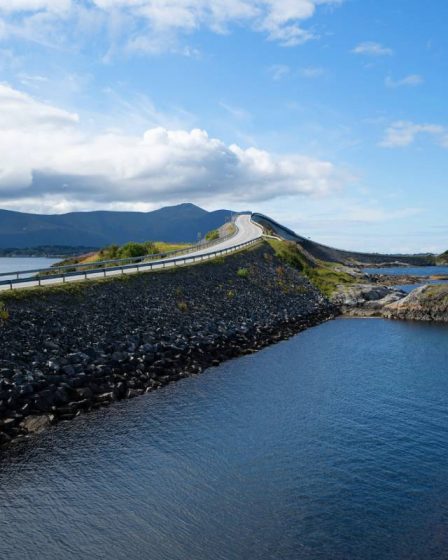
(247, 232)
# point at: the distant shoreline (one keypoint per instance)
(49, 252)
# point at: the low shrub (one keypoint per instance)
(212, 235)
(243, 272)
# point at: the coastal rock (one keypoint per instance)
(366, 299)
(427, 303)
(34, 424)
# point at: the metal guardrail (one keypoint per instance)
(158, 265)
(68, 270)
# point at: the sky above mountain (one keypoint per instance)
(328, 115)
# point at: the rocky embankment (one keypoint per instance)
(428, 303)
(68, 350)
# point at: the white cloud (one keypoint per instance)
(56, 6)
(237, 113)
(403, 133)
(46, 155)
(371, 48)
(412, 80)
(312, 72)
(154, 25)
(279, 71)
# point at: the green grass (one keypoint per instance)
(438, 292)
(212, 235)
(128, 251)
(320, 273)
(4, 314)
(242, 273)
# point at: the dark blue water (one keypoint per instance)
(409, 270)
(333, 445)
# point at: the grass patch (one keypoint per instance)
(242, 273)
(128, 251)
(216, 260)
(4, 314)
(212, 235)
(320, 273)
(182, 306)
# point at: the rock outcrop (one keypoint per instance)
(365, 300)
(428, 303)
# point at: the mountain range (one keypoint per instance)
(180, 223)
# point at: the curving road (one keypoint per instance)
(247, 232)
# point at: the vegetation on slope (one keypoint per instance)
(127, 251)
(443, 258)
(212, 235)
(325, 276)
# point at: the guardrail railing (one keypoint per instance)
(138, 267)
(55, 272)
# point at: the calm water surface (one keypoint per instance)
(12, 264)
(412, 271)
(332, 445)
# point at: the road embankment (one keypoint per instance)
(74, 348)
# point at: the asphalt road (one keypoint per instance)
(247, 231)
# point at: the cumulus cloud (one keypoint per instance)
(47, 155)
(371, 48)
(154, 25)
(404, 133)
(412, 80)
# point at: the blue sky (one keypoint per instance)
(328, 115)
